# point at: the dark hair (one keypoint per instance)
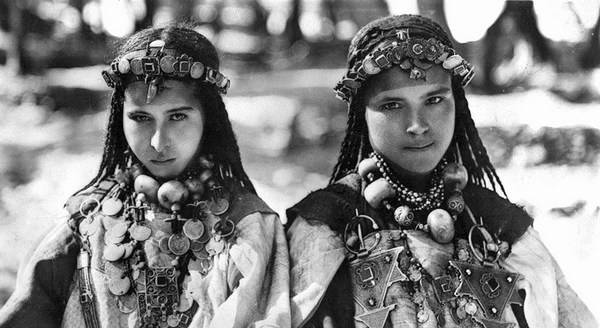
(218, 138)
(465, 144)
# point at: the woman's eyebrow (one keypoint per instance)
(180, 108)
(441, 90)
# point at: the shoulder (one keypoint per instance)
(508, 220)
(330, 205)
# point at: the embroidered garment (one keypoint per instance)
(322, 278)
(248, 285)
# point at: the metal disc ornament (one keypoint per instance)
(119, 286)
(173, 320)
(114, 252)
(167, 64)
(179, 244)
(197, 70)
(136, 66)
(163, 244)
(140, 232)
(124, 65)
(214, 246)
(112, 207)
(88, 226)
(127, 303)
(219, 206)
(128, 250)
(193, 229)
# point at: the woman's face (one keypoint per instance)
(410, 122)
(165, 134)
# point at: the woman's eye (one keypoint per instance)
(178, 117)
(390, 106)
(139, 118)
(434, 100)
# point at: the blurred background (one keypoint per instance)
(535, 99)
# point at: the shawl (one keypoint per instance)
(247, 287)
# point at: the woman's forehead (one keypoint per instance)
(397, 79)
(171, 90)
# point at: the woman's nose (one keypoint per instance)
(159, 140)
(416, 124)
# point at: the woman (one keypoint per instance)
(170, 232)
(407, 234)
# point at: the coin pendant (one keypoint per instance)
(88, 227)
(163, 244)
(140, 232)
(119, 286)
(112, 206)
(128, 250)
(196, 246)
(219, 206)
(173, 320)
(114, 252)
(214, 246)
(114, 269)
(127, 303)
(179, 244)
(193, 229)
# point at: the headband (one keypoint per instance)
(156, 63)
(416, 55)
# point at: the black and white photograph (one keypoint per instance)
(300, 163)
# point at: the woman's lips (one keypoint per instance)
(162, 162)
(419, 147)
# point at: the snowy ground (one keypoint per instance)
(62, 154)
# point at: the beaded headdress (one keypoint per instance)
(156, 63)
(415, 55)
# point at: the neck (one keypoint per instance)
(418, 182)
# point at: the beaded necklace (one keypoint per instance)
(178, 223)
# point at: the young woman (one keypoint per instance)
(411, 231)
(170, 232)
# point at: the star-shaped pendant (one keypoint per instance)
(375, 318)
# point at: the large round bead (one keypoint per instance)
(172, 192)
(441, 226)
(377, 191)
(455, 203)
(146, 185)
(404, 215)
(455, 176)
(366, 166)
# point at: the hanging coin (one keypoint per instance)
(114, 269)
(128, 250)
(112, 206)
(114, 252)
(88, 226)
(140, 231)
(214, 246)
(196, 245)
(127, 303)
(119, 286)
(219, 206)
(193, 229)
(179, 244)
(173, 320)
(163, 244)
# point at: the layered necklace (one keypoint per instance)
(384, 190)
(473, 285)
(186, 225)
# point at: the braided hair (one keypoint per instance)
(466, 143)
(218, 138)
